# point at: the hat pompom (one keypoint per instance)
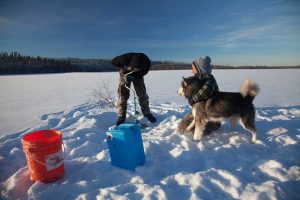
(207, 60)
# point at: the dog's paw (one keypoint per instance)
(252, 142)
(197, 138)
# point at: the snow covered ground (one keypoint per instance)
(224, 165)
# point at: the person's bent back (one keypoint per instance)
(133, 68)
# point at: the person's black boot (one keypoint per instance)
(151, 118)
(121, 120)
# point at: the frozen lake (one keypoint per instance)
(223, 165)
(23, 98)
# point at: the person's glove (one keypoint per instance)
(128, 78)
(191, 101)
(124, 71)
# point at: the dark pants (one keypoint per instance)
(123, 95)
(188, 118)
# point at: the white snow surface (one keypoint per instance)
(223, 165)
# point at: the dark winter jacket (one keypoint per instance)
(139, 63)
(207, 90)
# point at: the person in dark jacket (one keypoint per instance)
(202, 69)
(133, 67)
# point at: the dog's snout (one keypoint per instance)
(180, 91)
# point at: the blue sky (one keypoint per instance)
(231, 32)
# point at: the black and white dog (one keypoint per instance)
(221, 105)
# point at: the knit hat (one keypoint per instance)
(202, 65)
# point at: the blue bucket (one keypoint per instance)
(126, 146)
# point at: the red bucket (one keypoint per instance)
(44, 155)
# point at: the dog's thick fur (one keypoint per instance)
(221, 105)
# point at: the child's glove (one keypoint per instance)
(191, 101)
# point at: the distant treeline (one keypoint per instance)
(15, 63)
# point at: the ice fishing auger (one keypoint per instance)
(134, 99)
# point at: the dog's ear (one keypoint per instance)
(184, 81)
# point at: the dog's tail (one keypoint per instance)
(249, 89)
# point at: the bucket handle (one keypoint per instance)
(63, 145)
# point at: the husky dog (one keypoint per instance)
(221, 105)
